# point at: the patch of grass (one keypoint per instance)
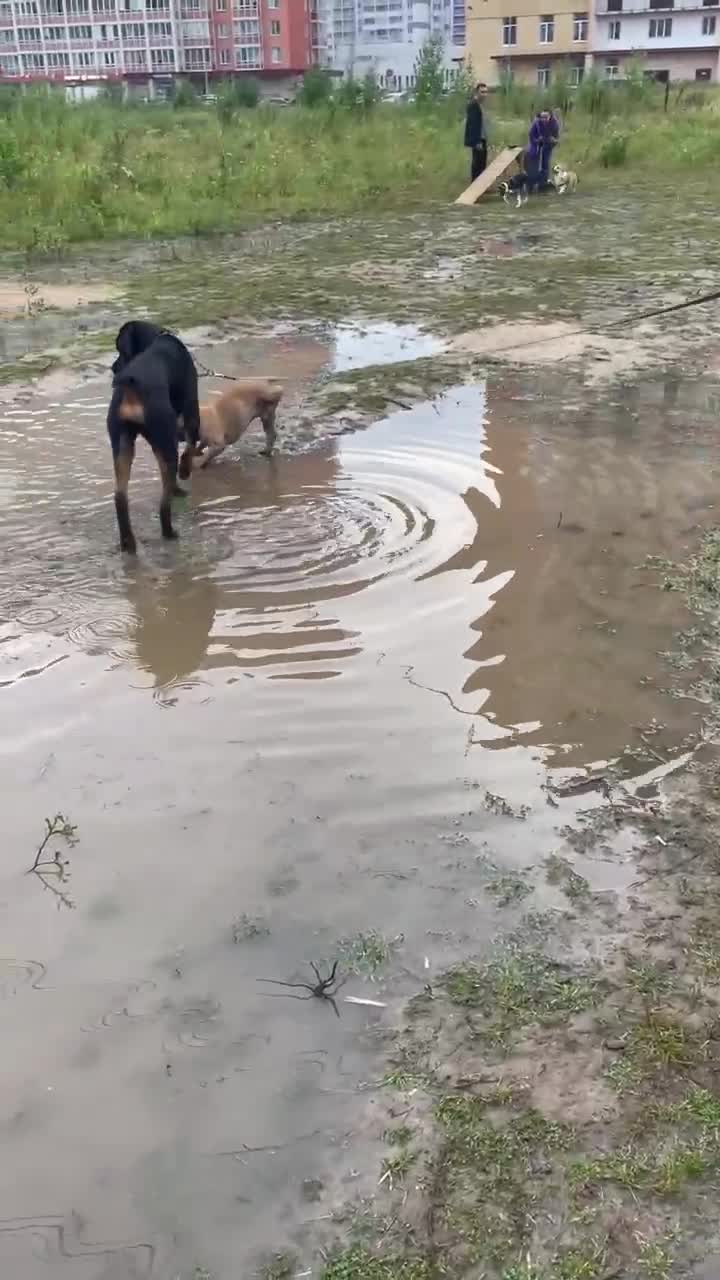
(281, 1266)
(517, 988)
(486, 1171)
(400, 1136)
(509, 888)
(560, 872)
(359, 1264)
(366, 953)
(586, 1263)
(661, 1173)
(657, 1044)
(654, 1260)
(394, 1168)
(651, 981)
(246, 927)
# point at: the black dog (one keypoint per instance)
(155, 383)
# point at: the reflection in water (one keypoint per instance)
(494, 561)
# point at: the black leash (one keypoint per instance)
(204, 372)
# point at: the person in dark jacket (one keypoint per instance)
(476, 132)
(543, 136)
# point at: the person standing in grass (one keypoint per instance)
(543, 137)
(476, 132)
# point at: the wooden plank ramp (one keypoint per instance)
(492, 174)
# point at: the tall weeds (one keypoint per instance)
(106, 170)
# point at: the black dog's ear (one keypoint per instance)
(125, 341)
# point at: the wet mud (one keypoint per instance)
(353, 699)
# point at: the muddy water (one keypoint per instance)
(293, 717)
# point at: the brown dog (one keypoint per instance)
(225, 419)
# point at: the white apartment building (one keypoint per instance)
(385, 36)
(671, 39)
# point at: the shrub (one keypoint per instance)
(613, 152)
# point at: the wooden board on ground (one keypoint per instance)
(492, 174)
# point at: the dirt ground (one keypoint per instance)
(431, 695)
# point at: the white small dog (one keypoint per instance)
(564, 179)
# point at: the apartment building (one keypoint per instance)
(145, 43)
(671, 39)
(385, 36)
(522, 38)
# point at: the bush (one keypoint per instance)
(429, 72)
(613, 152)
(316, 88)
(247, 91)
(183, 94)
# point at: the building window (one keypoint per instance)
(223, 30)
(135, 59)
(221, 6)
(162, 58)
(703, 73)
(275, 27)
(54, 33)
(156, 29)
(275, 54)
(247, 56)
(28, 35)
(708, 26)
(58, 61)
(109, 59)
(543, 75)
(33, 62)
(83, 32)
(224, 57)
(273, 4)
(612, 69)
(509, 31)
(577, 71)
(547, 28)
(660, 28)
(614, 6)
(580, 26)
(84, 60)
(614, 29)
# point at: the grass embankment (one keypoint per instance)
(106, 171)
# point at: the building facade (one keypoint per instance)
(385, 36)
(144, 44)
(533, 40)
(672, 40)
(524, 39)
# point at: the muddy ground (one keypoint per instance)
(430, 694)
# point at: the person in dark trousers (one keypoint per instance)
(543, 136)
(476, 132)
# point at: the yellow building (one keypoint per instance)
(531, 39)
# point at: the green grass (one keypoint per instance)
(102, 170)
(365, 954)
(517, 988)
(659, 1045)
(359, 1264)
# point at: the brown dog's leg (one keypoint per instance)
(123, 460)
(267, 417)
(168, 468)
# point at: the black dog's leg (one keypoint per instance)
(123, 460)
(164, 445)
(122, 443)
(191, 422)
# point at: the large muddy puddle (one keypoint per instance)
(331, 708)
